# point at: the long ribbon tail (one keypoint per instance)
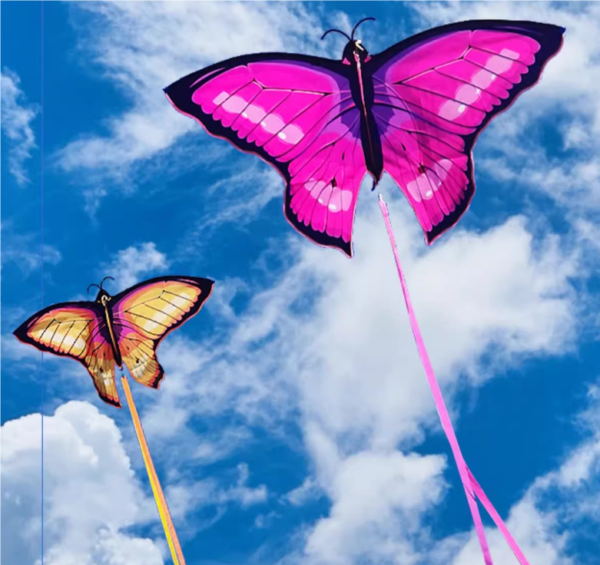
(159, 497)
(497, 520)
(472, 488)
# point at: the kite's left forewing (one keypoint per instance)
(436, 91)
(297, 114)
(76, 330)
(144, 314)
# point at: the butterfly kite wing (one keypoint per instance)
(144, 314)
(296, 113)
(434, 94)
(76, 330)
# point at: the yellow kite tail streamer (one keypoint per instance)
(159, 497)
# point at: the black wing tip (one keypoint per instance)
(320, 238)
(431, 236)
(21, 334)
(115, 403)
(155, 384)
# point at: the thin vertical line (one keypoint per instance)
(42, 261)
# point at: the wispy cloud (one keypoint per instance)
(307, 491)
(17, 115)
(236, 200)
(558, 509)
(133, 46)
(186, 498)
(25, 250)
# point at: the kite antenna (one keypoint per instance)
(356, 26)
(102, 282)
(337, 31)
(99, 286)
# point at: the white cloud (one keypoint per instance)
(90, 492)
(330, 339)
(17, 115)
(133, 45)
(237, 199)
(533, 531)
(472, 294)
(209, 450)
(132, 263)
(308, 490)
(185, 498)
(377, 499)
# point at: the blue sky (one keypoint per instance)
(295, 424)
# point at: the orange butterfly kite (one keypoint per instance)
(122, 329)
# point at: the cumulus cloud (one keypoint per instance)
(377, 499)
(91, 495)
(17, 115)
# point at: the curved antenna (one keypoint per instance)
(88, 289)
(337, 31)
(102, 282)
(356, 26)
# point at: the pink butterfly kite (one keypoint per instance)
(414, 111)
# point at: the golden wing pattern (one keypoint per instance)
(76, 330)
(143, 315)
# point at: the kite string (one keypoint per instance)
(472, 488)
(159, 497)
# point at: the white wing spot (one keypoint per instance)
(219, 98)
(509, 53)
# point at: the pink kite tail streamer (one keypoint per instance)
(472, 489)
(497, 520)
